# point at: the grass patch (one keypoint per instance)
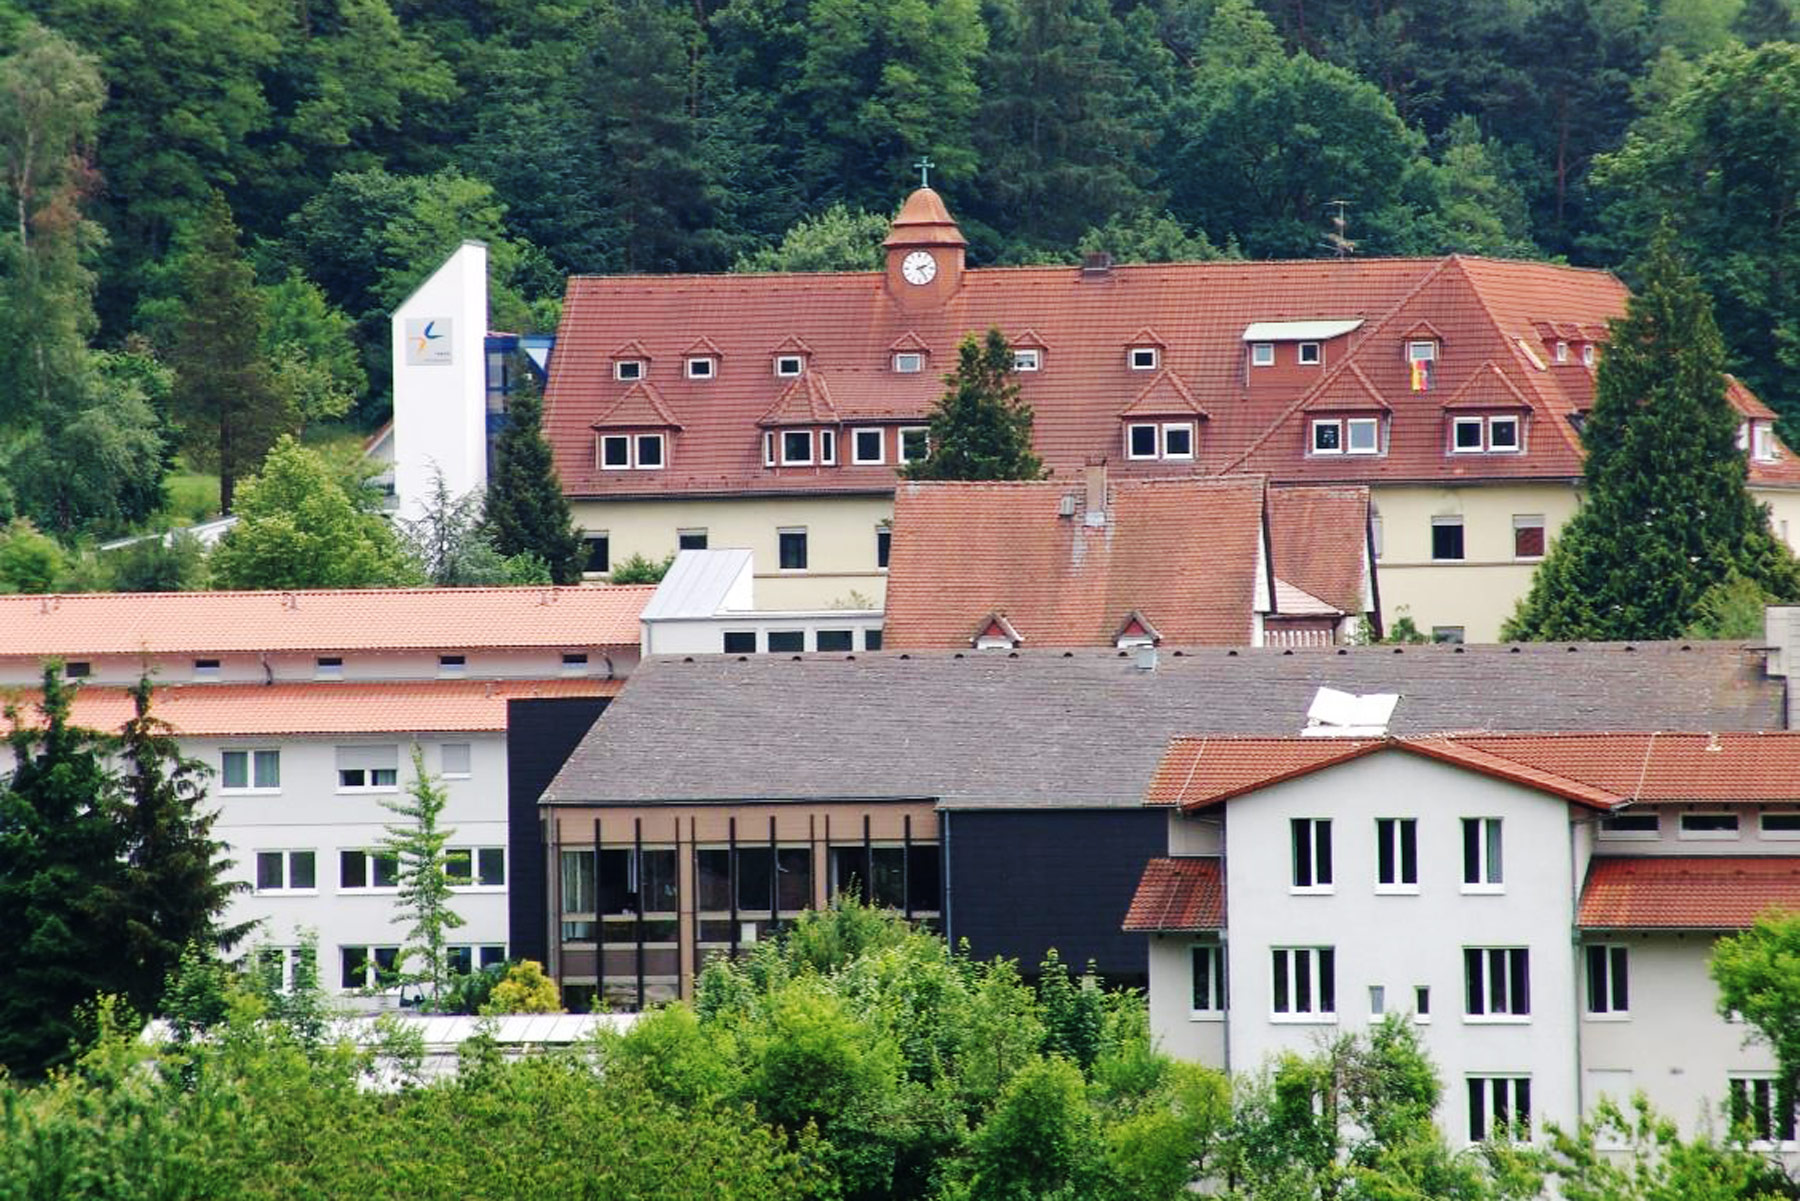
(193, 496)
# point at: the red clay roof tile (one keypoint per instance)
(641, 407)
(1712, 892)
(1177, 895)
(1319, 538)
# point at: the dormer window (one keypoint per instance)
(1350, 435)
(1587, 354)
(1027, 360)
(787, 365)
(1421, 351)
(1503, 433)
(915, 443)
(1562, 352)
(866, 445)
(1327, 437)
(1311, 354)
(1493, 435)
(702, 368)
(909, 362)
(828, 447)
(626, 452)
(1165, 440)
(1759, 440)
(796, 447)
(1466, 435)
(1262, 354)
(628, 369)
(1143, 358)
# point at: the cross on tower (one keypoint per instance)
(923, 167)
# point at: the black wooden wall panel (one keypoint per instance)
(541, 734)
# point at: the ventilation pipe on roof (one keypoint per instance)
(1096, 494)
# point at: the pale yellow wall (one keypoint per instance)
(840, 541)
(1478, 593)
(1784, 512)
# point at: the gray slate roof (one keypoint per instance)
(1085, 729)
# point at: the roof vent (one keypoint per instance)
(1335, 714)
(1066, 506)
(1097, 265)
(1146, 658)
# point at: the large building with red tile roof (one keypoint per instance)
(307, 708)
(1193, 561)
(732, 411)
(1559, 895)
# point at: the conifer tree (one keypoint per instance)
(419, 846)
(527, 512)
(980, 428)
(1667, 515)
(174, 888)
(61, 881)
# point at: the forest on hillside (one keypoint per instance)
(227, 197)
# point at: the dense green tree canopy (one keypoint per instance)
(980, 427)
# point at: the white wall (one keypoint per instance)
(440, 384)
(281, 667)
(706, 636)
(1402, 941)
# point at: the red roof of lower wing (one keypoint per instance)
(1178, 894)
(1713, 892)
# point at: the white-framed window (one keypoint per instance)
(796, 447)
(1327, 436)
(1377, 1000)
(1704, 827)
(1499, 1107)
(915, 443)
(615, 452)
(1587, 354)
(328, 667)
(475, 867)
(455, 760)
(1562, 352)
(452, 667)
(1397, 854)
(1447, 538)
(1528, 535)
(649, 451)
(1303, 983)
(206, 669)
(1311, 842)
(789, 364)
(1262, 354)
(867, 445)
(1762, 436)
(1781, 827)
(768, 448)
(1503, 434)
(1140, 441)
(368, 768)
(1422, 1004)
(1377, 534)
(702, 367)
(1142, 358)
(367, 967)
(1631, 827)
(256, 770)
(791, 548)
(1421, 350)
(1178, 440)
(1029, 359)
(1497, 982)
(628, 369)
(1207, 998)
(909, 362)
(1310, 354)
(282, 967)
(363, 870)
(1466, 435)
(1757, 1109)
(1483, 864)
(1608, 980)
(828, 447)
(1364, 435)
(287, 871)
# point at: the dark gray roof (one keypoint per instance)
(1086, 728)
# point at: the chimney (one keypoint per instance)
(1096, 266)
(1096, 495)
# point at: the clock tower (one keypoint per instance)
(924, 252)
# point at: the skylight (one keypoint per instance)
(1335, 714)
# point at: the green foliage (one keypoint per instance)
(299, 526)
(637, 569)
(838, 239)
(450, 544)
(1404, 631)
(1732, 608)
(524, 989)
(980, 428)
(1758, 974)
(173, 562)
(526, 512)
(29, 561)
(310, 347)
(1656, 1162)
(1147, 237)
(1042, 1140)
(1667, 515)
(1074, 1012)
(419, 845)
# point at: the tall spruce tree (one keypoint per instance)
(61, 882)
(980, 428)
(174, 890)
(527, 512)
(225, 396)
(1667, 515)
(425, 877)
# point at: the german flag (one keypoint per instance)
(1421, 375)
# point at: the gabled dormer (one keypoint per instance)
(701, 360)
(1028, 351)
(1346, 415)
(631, 362)
(909, 354)
(791, 357)
(1136, 631)
(801, 428)
(1163, 421)
(1422, 347)
(1145, 350)
(635, 433)
(995, 633)
(1487, 415)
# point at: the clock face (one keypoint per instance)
(919, 267)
